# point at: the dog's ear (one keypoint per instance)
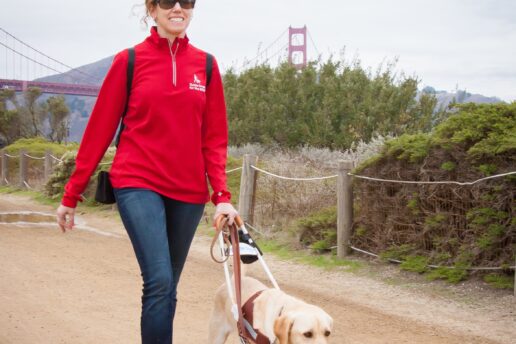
(282, 327)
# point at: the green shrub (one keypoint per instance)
(452, 274)
(413, 148)
(320, 227)
(360, 231)
(37, 146)
(483, 130)
(487, 169)
(400, 252)
(483, 216)
(500, 281)
(448, 166)
(54, 187)
(434, 221)
(417, 264)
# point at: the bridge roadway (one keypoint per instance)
(51, 87)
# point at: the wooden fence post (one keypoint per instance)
(247, 188)
(23, 169)
(48, 165)
(5, 168)
(344, 208)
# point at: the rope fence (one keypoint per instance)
(379, 179)
(345, 201)
(431, 182)
(291, 178)
(57, 159)
(234, 170)
(32, 157)
(48, 158)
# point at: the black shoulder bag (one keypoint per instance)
(104, 192)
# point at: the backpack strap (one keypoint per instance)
(130, 73)
(209, 67)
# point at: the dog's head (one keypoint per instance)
(308, 326)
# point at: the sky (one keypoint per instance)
(464, 44)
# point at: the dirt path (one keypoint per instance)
(84, 287)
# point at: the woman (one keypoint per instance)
(175, 135)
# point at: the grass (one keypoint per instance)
(284, 252)
(500, 281)
(327, 261)
(36, 195)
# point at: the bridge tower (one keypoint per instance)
(296, 48)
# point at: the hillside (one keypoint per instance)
(92, 73)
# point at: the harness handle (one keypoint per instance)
(221, 226)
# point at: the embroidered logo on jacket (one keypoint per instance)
(196, 84)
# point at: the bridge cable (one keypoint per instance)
(45, 55)
(16, 52)
(313, 43)
(265, 50)
(6, 57)
(282, 49)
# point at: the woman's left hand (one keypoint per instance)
(226, 209)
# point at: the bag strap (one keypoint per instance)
(130, 73)
(209, 67)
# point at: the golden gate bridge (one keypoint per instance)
(21, 57)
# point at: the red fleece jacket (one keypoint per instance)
(175, 129)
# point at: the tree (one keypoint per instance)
(33, 112)
(327, 104)
(10, 122)
(58, 114)
(32, 118)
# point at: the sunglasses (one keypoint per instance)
(169, 4)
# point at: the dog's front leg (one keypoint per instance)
(219, 328)
(218, 333)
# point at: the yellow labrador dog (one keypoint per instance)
(277, 316)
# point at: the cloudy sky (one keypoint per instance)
(469, 44)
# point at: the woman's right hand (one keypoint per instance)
(65, 217)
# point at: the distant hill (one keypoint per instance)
(92, 74)
(444, 98)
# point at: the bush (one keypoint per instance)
(54, 187)
(441, 221)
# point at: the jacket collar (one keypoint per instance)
(160, 42)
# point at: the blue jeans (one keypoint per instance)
(161, 231)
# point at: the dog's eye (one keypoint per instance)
(327, 333)
(308, 334)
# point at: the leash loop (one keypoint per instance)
(220, 227)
